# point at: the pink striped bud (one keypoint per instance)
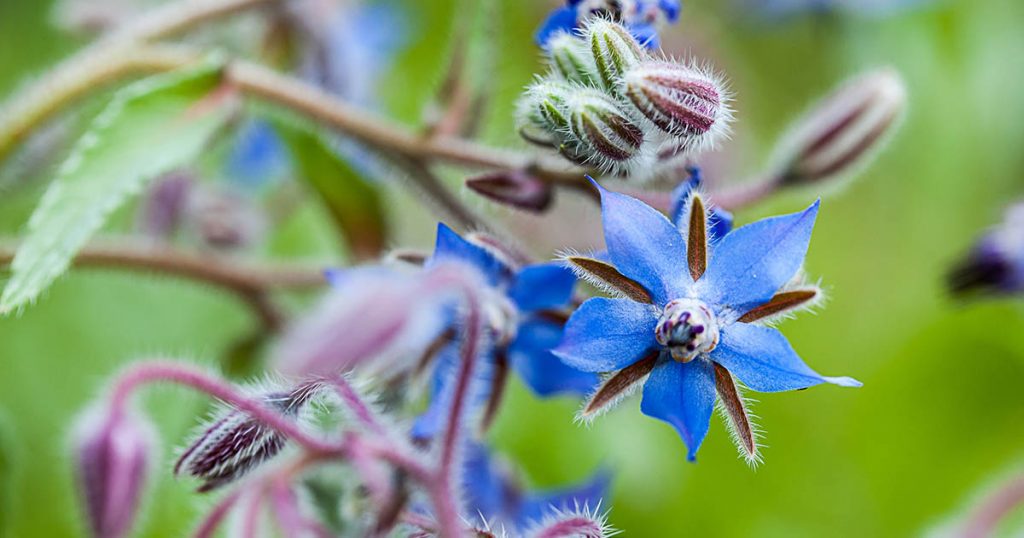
(844, 130)
(683, 101)
(112, 449)
(235, 443)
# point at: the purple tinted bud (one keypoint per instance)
(112, 449)
(236, 443)
(609, 138)
(681, 100)
(515, 188)
(844, 130)
(224, 219)
(996, 264)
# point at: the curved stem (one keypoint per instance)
(108, 59)
(992, 511)
(161, 371)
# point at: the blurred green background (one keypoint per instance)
(941, 413)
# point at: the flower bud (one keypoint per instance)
(235, 443)
(515, 188)
(681, 100)
(112, 448)
(615, 51)
(844, 130)
(542, 115)
(609, 137)
(570, 59)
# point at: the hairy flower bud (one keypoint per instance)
(615, 51)
(516, 188)
(112, 448)
(609, 137)
(235, 442)
(570, 59)
(842, 131)
(681, 100)
(542, 115)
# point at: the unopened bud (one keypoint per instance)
(844, 130)
(609, 137)
(615, 51)
(570, 59)
(112, 451)
(681, 100)
(542, 114)
(235, 443)
(515, 188)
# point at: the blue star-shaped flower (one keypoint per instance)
(535, 296)
(685, 323)
(493, 493)
(641, 17)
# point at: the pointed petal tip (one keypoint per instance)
(844, 382)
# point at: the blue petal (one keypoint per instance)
(607, 334)
(531, 357)
(646, 34)
(644, 245)
(671, 9)
(258, 155)
(720, 223)
(682, 394)
(451, 246)
(537, 287)
(560, 20)
(488, 489)
(763, 360)
(536, 506)
(750, 264)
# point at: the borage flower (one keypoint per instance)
(494, 494)
(641, 17)
(527, 315)
(685, 322)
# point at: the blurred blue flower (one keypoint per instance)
(641, 17)
(535, 296)
(691, 324)
(996, 263)
(493, 493)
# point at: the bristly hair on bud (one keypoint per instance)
(690, 104)
(608, 137)
(580, 522)
(843, 131)
(614, 50)
(233, 443)
(570, 59)
(542, 115)
(112, 455)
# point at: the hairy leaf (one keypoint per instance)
(150, 128)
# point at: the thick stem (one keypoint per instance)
(215, 517)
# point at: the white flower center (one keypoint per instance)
(687, 328)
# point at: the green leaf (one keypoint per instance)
(355, 203)
(150, 128)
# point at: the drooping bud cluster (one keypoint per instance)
(607, 103)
